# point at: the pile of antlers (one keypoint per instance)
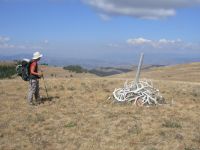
(141, 93)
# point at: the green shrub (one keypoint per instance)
(75, 68)
(171, 124)
(7, 71)
(71, 88)
(44, 64)
(70, 125)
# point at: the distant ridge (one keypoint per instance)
(94, 63)
(14, 57)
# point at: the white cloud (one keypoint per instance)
(6, 43)
(46, 41)
(147, 9)
(51, 1)
(104, 17)
(17, 47)
(154, 43)
(139, 41)
(113, 45)
(4, 39)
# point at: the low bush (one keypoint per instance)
(75, 68)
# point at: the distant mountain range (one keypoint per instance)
(14, 57)
(107, 71)
(149, 59)
(105, 68)
(55, 61)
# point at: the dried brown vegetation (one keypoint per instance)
(80, 116)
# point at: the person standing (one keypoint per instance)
(35, 75)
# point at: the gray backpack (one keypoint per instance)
(23, 69)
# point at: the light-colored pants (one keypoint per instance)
(33, 90)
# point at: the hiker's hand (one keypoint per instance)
(40, 74)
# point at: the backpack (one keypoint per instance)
(23, 69)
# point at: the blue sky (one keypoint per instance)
(100, 29)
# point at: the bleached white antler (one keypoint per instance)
(141, 92)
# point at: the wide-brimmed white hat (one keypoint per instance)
(37, 55)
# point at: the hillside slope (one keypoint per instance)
(80, 115)
(184, 72)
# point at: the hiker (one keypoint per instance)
(34, 79)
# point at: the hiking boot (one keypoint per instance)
(32, 103)
(39, 100)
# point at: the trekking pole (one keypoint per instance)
(45, 85)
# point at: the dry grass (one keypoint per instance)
(80, 116)
(183, 72)
(7, 63)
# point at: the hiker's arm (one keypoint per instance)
(33, 71)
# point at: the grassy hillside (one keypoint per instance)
(183, 72)
(80, 115)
